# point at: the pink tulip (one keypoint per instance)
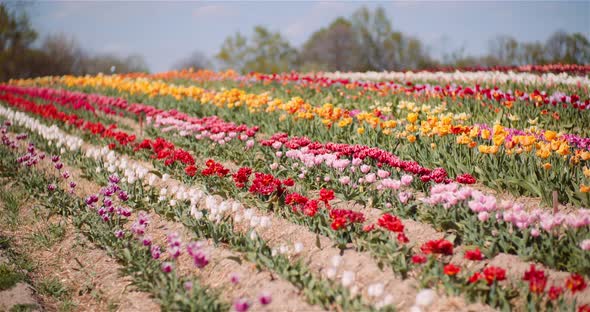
(344, 180)
(383, 174)
(406, 180)
(167, 267)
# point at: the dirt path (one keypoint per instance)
(253, 282)
(70, 273)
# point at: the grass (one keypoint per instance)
(49, 236)
(11, 206)
(11, 201)
(9, 277)
(53, 287)
(66, 306)
(4, 242)
(24, 308)
(113, 306)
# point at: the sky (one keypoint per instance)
(165, 32)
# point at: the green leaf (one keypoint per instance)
(236, 259)
(157, 173)
(451, 238)
(318, 244)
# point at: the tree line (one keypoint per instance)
(365, 41)
(57, 54)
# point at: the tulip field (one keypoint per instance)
(216, 191)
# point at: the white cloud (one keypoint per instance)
(67, 9)
(296, 29)
(213, 10)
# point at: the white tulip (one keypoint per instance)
(297, 248)
(264, 222)
(425, 297)
(248, 213)
(331, 273)
(254, 221)
(347, 278)
(375, 290)
(336, 260)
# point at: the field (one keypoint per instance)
(215, 191)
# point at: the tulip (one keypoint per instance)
(167, 267)
(241, 305)
(265, 298)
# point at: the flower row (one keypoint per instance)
(164, 149)
(506, 140)
(489, 276)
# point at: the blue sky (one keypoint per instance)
(164, 32)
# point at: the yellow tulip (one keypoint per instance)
(563, 150)
(463, 139)
(486, 149)
(344, 122)
(412, 117)
(550, 135)
(543, 153)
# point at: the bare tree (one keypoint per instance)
(64, 55)
(333, 48)
(569, 49)
(373, 30)
(505, 49)
(16, 37)
(109, 63)
(196, 61)
(532, 53)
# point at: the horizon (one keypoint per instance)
(124, 28)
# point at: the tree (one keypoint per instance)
(64, 55)
(270, 53)
(196, 61)
(373, 31)
(333, 48)
(233, 52)
(505, 49)
(406, 52)
(580, 48)
(109, 63)
(532, 53)
(265, 52)
(58, 54)
(16, 37)
(382, 48)
(569, 49)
